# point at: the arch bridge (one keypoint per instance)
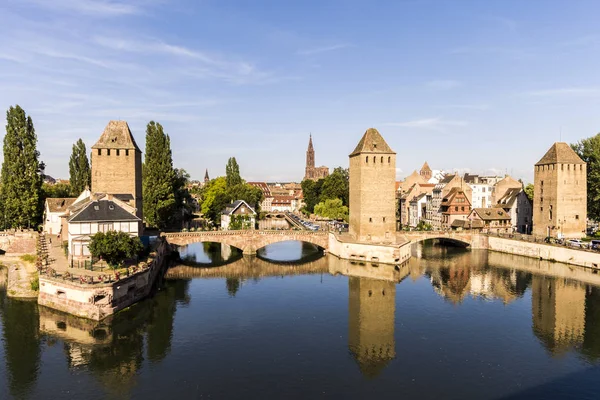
(249, 241)
(474, 240)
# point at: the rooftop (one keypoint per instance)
(560, 153)
(372, 142)
(116, 135)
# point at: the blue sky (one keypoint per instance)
(483, 86)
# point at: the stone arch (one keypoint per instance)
(448, 239)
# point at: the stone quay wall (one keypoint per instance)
(543, 251)
(98, 301)
(344, 247)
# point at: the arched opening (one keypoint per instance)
(290, 252)
(208, 254)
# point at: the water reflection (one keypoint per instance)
(563, 315)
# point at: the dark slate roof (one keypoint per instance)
(234, 206)
(560, 153)
(123, 196)
(59, 204)
(116, 135)
(372, 142)
(103, 210)
(509, 198)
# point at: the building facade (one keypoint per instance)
(238, 216)
(117, 165)
(54, 208)
(560, 193)
(372, 189)
(516, 203)
(311, 172)
(455, 206)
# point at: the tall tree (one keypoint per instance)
(589, 151)
(336, 186)
(22, 172)
(80, 175)
(232, 173)
(159, 177)
(529, 191)
(311, 191)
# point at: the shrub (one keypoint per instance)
(35, 284)
(115, 247)
(30, 258)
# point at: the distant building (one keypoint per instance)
(440, 191)
(560, 193)
(417, 210)
(206, 177)
(311, 172)
(494, 220)
(455, 206)
(372, 189)
(516, 203)
(238, 215)
(426, 172)
(53, 209)
(502, 186)
(266, 203)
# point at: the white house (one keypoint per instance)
(98, 213)
(53, 209)
(418, 207)
(238, 215)
(517, 204)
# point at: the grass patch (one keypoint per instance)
(30, 258)
(35, 284)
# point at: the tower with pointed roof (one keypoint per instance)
(426, 172)
(373, 189)
(206, 177)
(312, 172)
(117, 165)
(560, 193)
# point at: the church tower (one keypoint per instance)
(373, 189)
(117, 165)
(560, 193)
(426, 172)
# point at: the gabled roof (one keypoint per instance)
(59, 204)
(491, 214)
(560, 153)
(230, 209)
(103, 210)
(509, 198)
(425, 167)
(372, 142)
(116, 135)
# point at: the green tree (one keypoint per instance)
(336, 186)
(214, 199)
(332, 208)
(159, 178)
(80, 175)
(250, 194)
(22, 172)
(589, 151)
(115, 247)
(311, 191)
(529, 191)
(233, 285)
(232, 172)
(56, 190)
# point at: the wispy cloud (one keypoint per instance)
(443, 84)
(565, 92)
(97, 8)
(434, 124)
(323, 49)
(477, 107)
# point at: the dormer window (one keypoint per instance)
(97, 207)
(111, 206)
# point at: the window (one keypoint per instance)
(384, 219)
(562, 167)
(126, 152)
(542, 183)
(118, 151)
(108, 152)
(105, 226)
(382, 159)
(367, 159)
(85, 229)
(456, 208)
(99, 152)
(389, 160)
(462, 208)
(541, 208)
(374, 160)
(370, 219)
(577, 216)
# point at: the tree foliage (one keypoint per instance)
(529, 191)
(332, 208)
(56, 190)
(80, 175)
(336, 186)
(311, 190)
(22, 172)
(159, 178)
(115, 247)
(216, 195)
(589, 151)
(232, 173)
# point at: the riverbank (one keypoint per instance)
(22, 278)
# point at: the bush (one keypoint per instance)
(30, 258)
(115, 247)
(35, 284)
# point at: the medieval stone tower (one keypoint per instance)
(373, 189)
(560, 193)
(371, 309)
(117, 165)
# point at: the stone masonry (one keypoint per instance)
(373, 190)
(560, 193)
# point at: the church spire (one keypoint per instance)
(206, 178)
(310, 154)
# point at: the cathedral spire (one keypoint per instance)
(206, 178)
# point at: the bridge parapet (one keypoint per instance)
(249, 241)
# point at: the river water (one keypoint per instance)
(449, 324)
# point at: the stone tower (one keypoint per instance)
(371, 309)
(373, 189)
(560, 193)
(426, 172)
(310, 155)
(117, 165)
